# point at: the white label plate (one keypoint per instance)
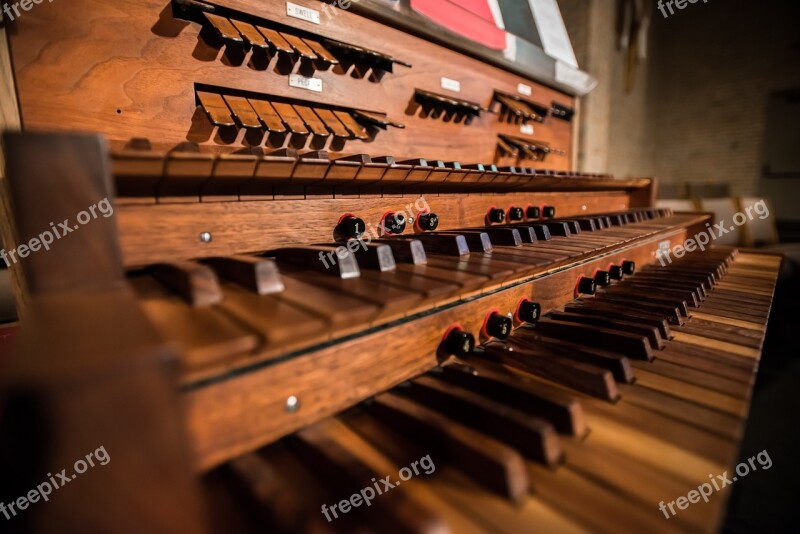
(526, 129)
(303, 13)
(524, 89)
(301, 82)
(451, 85)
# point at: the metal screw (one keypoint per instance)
(205, 237)
(292, 404)
(411, 220)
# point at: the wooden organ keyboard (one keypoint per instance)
(279, 313)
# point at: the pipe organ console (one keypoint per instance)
(339, 246)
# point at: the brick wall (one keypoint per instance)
(697, 110)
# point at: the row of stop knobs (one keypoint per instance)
(352, 227)
(458, 342)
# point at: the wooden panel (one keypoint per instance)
(238, 227)
(99, 79)
(339, 376)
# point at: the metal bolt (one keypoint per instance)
(292, 404)
(205, 237)
(411, 220)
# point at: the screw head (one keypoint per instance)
(292, 404)
(205, 237)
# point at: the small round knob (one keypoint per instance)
(459, 343)
(351, 227)
(587, 286)
(428, 222)
(394, 223)
(548, 212)
(529, 311)
(602, 278)
(628, 267)
(615, 271)
(498, 325)
(533, 212)
(496, 215)
(516, 214)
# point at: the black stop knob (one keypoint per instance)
(602, 278)
(615, 271)
(529, 311)
(394, 223)
(533, 212)
(459, 343)
(629, 267)
(548, 212)
(428, 222)
(351, 227)
(496, 215)
(498, 325)
(516, 214)
(586, 286)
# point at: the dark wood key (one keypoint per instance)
(631, 345)
(476, 240)
(550, 403)
(651, 333)
(697, 291)
(671, 313)
(585, 378)
(336, 261)
(406, 250)
(195, 283)
(646, 297)
(251, 272)
(619, 366)
(532, 436)
(333, 453)
(504, 236)
(598, 309)
(496, 466)
(447, 244)
(375, 256)
(674, 295)
(558, 228)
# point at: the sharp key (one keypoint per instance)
(476, 240)
(588, 379)
(406, 250)
(548, 402)
(499, 236)
(631, 345)
(531, 435)
(251, 272)
(320, 258)
(195, 283)
(374, 256)
(494, 465)
(447, 244)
